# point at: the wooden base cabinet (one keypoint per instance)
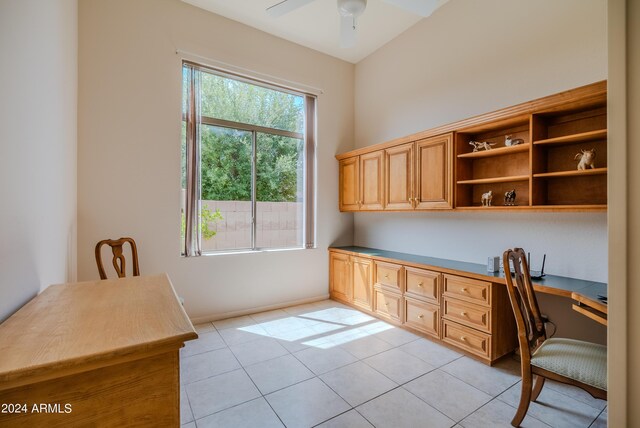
(340, 276)
(362, 282)
(388, 304)
(477, 317)
(350, 280)
(469, 314)
(423, 316)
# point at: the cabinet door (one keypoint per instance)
(399, 162)
(350, 184)
(340, 276)
(362, 282)
(434, 172)
(371, 182)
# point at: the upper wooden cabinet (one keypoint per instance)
(399, 177)
(418, 174)
(361, 182)
(439, 169)
(434, 173)
(371, 184)
(350, 184)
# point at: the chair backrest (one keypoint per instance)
(531, 329)
(118, 260)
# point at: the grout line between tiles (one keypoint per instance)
(596, 418)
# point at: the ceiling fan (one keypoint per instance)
(350, 10)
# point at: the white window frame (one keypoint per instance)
(192, 241)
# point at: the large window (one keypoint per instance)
(247, 164)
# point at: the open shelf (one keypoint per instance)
(495, 180)
(572, 173)
(580, 207)
(496, 208)
(575, 138)
(495, 152)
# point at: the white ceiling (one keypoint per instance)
(317, 25)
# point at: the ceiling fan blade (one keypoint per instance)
(347, 32)
(286, 6)
(423, 8)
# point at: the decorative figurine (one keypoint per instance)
(481, 146)
(510, 198)
(486, 198)
(508, 142)
(587, 159)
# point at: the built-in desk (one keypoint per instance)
(550, 284)
(465, 306)
(97, 353)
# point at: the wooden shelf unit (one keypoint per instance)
(572, 173)
(575, 138)
(558, 136)
(491, 180)
(542, 170)
(495, 152)
(499, 170)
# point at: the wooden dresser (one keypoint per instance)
(98, 353)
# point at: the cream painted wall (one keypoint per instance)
(446, 74)
(465, 60)
(129, 148)
(472, 57)
(38, 44)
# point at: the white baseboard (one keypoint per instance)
(224, 315)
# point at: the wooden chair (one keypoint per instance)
(569, 361)
(118, 260)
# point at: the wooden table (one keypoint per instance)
(97, 353)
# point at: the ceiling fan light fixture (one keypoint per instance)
(353, 8)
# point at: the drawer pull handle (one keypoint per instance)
(386, 303)
(463, 313)
(463, 289)
(420, 316)
(420, 284)
(463, 338)
(386, 275)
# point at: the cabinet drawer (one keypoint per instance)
(466, 338)
(468, 314)
(424, 284)
(388, 275)
(423, 316)
(388, 305)
(470, 290)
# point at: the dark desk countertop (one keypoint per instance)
(551, 284)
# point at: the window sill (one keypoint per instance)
(258, 250)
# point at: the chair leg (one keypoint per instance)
(537, 388)
(525, 397)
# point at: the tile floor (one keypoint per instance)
(327, 365)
